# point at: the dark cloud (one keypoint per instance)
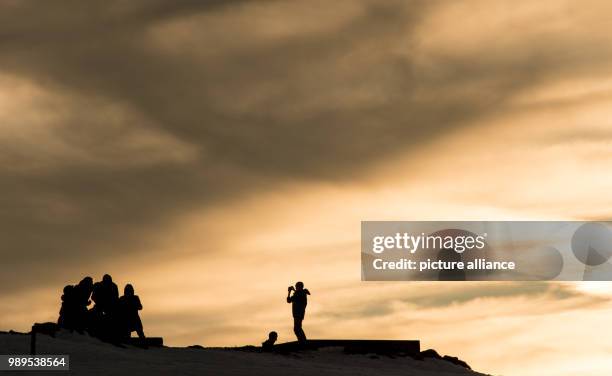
(253, 110)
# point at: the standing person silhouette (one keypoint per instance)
(298, 302)
(83, 294)
(105, 295)
(129, 305)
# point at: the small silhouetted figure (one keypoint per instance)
(298, 302)
(129, 305)
(268, 345)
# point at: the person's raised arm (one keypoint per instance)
(306, 292)
(289, 289)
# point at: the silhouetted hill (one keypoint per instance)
(89, 356)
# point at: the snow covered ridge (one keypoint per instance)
(89, 356)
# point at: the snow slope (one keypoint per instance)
(88, 356)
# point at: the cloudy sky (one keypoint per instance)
(214, 152)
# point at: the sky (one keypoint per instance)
(213, 153)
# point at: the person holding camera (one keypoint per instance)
(298, 307)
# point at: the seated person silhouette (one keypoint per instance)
(298, 302)
(268, 345)
(129, 305)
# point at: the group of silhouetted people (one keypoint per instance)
(111, 318)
